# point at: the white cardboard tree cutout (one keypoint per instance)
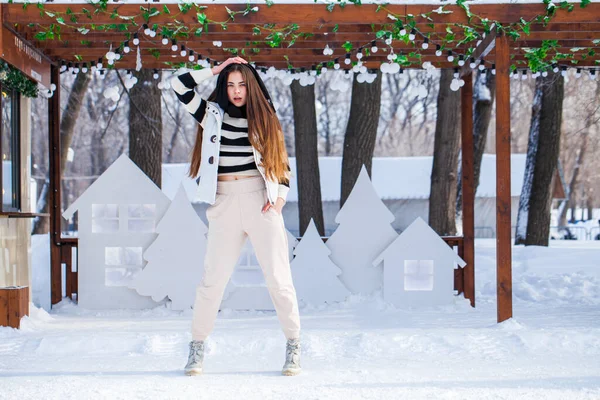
(247, 289)
(175, 259)
(419, 268)
(364, 231)
(118, 214)
(315, 275)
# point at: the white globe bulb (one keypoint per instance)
(360, 78)
(454, 86)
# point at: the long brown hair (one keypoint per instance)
(264, 130)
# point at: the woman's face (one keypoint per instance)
(236, 89)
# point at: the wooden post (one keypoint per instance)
(468, 187)
(14, 304)
(54, 204)
(503, 222)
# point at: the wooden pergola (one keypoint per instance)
(86, 32)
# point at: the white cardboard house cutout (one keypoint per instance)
(364, 231)
(419, 268)
(315, 275)
(247, 289)
(118, 215)
(176, 258)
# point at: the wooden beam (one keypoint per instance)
(482, 50)
(468, 187)
(303, 13)
(54, 203)
(14, 305)
(503, 205)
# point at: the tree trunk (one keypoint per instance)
(307, 157)
(361, 132)
(562, 220)
(483, 98)
(546, 120)
(570, 202)
(67, 130)
(145, 125)
(442, 198)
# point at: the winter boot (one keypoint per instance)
(196, 358)
(292, 358)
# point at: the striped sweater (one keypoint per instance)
(235, 152)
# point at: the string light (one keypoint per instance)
(425, 44)
(337, 63)
(191, 56)
(438, 50)
(126, 48)
(359, 55)
(412, 35)
(84, 69)
(450, 56)
(374, 46)
(524, 75)
(461, 60)
(136, 39)
(183, 52)
(481, 64)
(155, 76)
(165, 40)
(564, 71)
(493, 69)
(174, 44)
(578, 73)
(347, 60)
(146, 29)
(402, 30)
(472, 64)
(554, 68)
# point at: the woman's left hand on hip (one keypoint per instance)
(279, 203)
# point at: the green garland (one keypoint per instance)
(536, 59)
(12, 78)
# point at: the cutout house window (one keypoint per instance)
(10, 151)
(122, 265)
(105, 218)
(141, 217)
(418, 275)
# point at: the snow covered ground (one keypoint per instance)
(360, 349)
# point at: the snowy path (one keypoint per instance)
(361, 349)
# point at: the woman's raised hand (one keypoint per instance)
(233, 60)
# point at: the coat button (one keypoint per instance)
(213, 138)
(211, 160)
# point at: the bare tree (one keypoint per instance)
(145, 125)
(307, 157)
(533, 221)
(361, 132)
(442, 198)
(67, 129)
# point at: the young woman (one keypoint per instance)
(240, 163)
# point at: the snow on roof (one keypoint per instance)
(393, 177)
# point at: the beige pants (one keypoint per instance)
(235, 215)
